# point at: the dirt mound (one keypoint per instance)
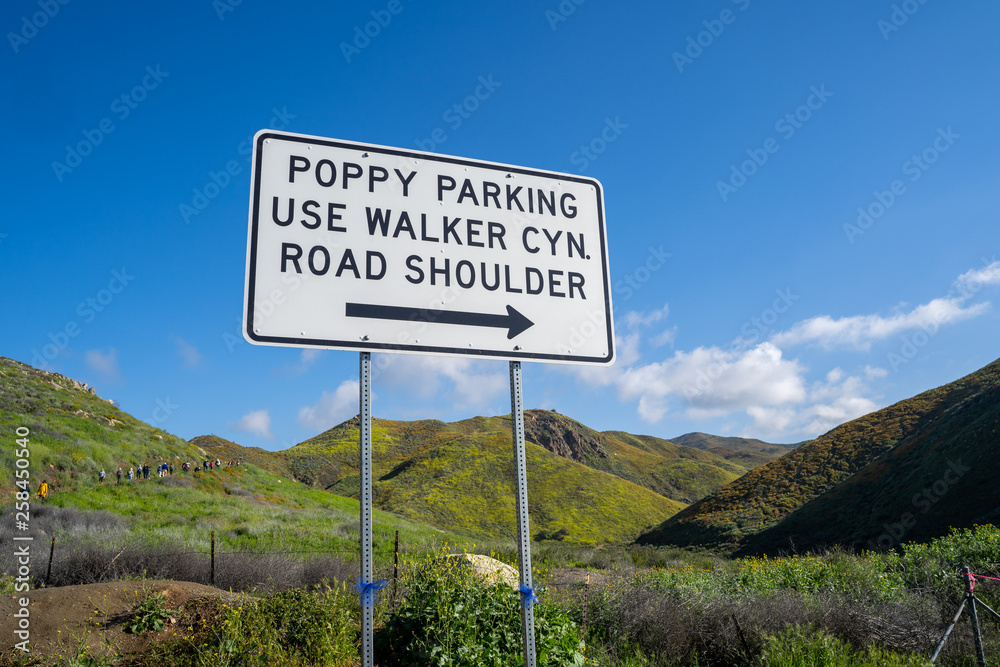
(65, 619)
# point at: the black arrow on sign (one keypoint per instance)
(513, 321)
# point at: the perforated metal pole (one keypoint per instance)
(395, 570)
(365, 415)
(521, 491)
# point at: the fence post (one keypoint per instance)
(974, 616)
(746, 644)
(52, 552)
(586, 605)
(212, 575)
(395, 572)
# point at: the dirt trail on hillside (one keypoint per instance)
(96, 614)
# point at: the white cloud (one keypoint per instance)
(255, 423)
(973, 280)
(105, 363)
(310, 355)
(829, 404)
(712, 381)
(332, 407)
(666, 337)
(593, 375)
(634, 319)
(874, 372)
(463, 382)
(860, 331)
(307, 358)
(759, 382)
(189, 353)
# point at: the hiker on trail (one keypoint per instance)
(100, 476)
(43, 490)
(118, 474)
(171, 469)
(130, 473)
(145, 471)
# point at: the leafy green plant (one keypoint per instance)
(295, 627)
(451, 617)
(802, 646)
(82, 657)
(149, 614)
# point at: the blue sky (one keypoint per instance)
(801, 200)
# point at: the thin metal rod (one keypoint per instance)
(947, 633)
(211, 576)
(988, 608)
(365, 417)
(521, 494)
(52, 552)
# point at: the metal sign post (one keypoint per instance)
(367, 598)
(354, 246)
(523, 533)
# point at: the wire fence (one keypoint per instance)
(73, 562)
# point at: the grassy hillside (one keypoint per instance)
(763, 497)
(75, 433)
(680, 473)
(747, 452)
(228, 450)
(941, 475)
(458, 476)
(461, 475)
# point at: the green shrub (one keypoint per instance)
(149, 614)
(801, 646)
(935, 563)
(452, 618)
(294, 628)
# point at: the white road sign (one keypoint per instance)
(355, 246)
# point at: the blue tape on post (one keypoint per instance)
(369, 591)
(527, 595)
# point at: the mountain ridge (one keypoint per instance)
(744, 515)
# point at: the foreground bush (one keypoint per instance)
(452, 618)
(292, 628)
(800, 646)
(868, 609)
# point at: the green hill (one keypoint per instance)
(747, 452)
(74, 433)
(894, 453)
(681, 473)
(461, 475)
(455, 476)
(943, 474)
